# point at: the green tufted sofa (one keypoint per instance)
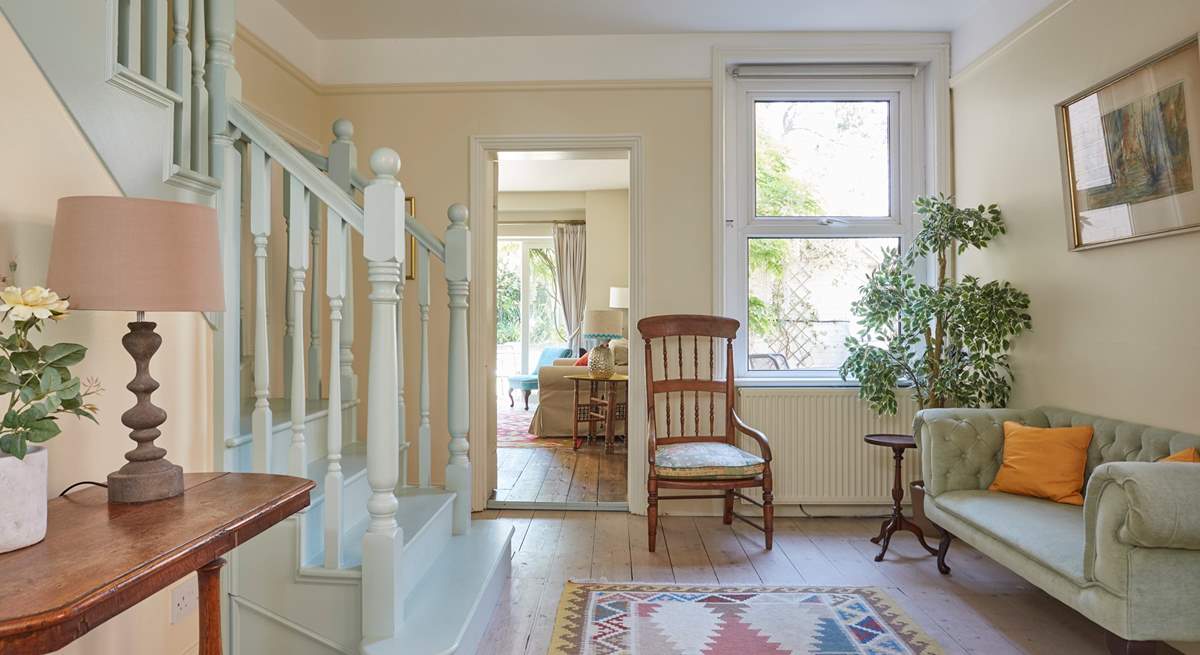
(1129, 559)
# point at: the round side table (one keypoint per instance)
(898, 443)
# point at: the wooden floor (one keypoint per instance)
(556, 475)
(981, 608)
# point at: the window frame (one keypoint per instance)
(527, 243)
(907, 179)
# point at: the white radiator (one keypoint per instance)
(817, 444)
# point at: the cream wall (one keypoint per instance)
(47, 157)
(1115, 329)
(607, 244)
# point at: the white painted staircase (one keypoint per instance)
(377, 563)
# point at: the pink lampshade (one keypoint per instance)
(136, 254)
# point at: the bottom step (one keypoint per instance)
(454, 600)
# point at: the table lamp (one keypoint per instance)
(139, 255)
(618, 297)
(605, 325)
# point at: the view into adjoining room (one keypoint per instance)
(562, 263)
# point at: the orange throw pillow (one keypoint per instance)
(582, 361)
(1188, 455)
(1044, 462)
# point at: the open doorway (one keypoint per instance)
(561, 277)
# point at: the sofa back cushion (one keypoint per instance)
(1121, 441)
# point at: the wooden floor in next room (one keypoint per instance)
(981, 609)
(561, 474)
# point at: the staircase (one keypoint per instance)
(377, 563)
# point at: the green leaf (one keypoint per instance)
(50, 381)
(83, 413)
(15, 445)
(64, 354)
(43, 430)
(69, 390)
(25, 360)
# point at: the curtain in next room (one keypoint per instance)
(571, 253)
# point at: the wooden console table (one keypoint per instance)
(599, 404)
(99, 560)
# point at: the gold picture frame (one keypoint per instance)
(410, 255)
(1130, 152)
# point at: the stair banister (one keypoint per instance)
(342, 158)
(383, 246)
(424, 432)
(298, 252)
(458, 283)
(260, 229)
(335, 289)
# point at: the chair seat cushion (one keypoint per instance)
(706, 459)
(523, 382)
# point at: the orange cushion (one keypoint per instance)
(1044, 462)
(582, 361)
(1189, 455)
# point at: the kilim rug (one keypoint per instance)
(512, 429)
(652, 619)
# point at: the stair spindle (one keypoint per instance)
(289, 322)
(383, 246)
(154, 40)
(200, 106)
(335, 289)
(458, 410)
(314, 315)
(179, 80)
(298, 263)
(342, 158)
(260, 228)
(401, 410)
(424, 432)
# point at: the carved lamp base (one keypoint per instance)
(147, 475)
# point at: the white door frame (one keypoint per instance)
(483, 310)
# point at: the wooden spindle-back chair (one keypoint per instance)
(703, 455)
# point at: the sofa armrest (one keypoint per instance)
(1156, 505)
(961, 449)
(565, 361)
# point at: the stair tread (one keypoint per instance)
(418, 506)
(451, 591)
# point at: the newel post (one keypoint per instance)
(458, 283)
(343, 157)
(223, 85)
(383, 246)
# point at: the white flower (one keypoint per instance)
(34, 302)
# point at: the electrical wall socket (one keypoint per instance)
(184, 599)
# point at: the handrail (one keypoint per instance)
(296, 165)
(317, 159)
(424, 237)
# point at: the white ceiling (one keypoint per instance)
(360, 19)
(564, 175)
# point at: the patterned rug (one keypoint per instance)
(653, 619)
(512, 429)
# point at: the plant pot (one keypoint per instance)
(23, 490)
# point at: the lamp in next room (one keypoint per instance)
(605, 325)
(138, 255)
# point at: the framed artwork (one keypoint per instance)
(410, 256)
(1131, 150)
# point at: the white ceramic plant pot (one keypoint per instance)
(23, 490)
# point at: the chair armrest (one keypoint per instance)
(763, 445)
(961, 449)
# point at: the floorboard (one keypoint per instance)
(982, 609)
(558, 474)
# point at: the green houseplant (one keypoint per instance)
(40, 388)
(948, 339)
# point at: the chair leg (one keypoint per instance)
(728, 518)
(526, 392)
(511, 402)
(652, 512)
(768, 510)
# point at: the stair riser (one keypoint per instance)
(424, 548)
(355, 493)
(473, 634)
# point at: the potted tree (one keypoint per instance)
(948, 339)
(40, 388)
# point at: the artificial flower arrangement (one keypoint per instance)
(37, 380)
